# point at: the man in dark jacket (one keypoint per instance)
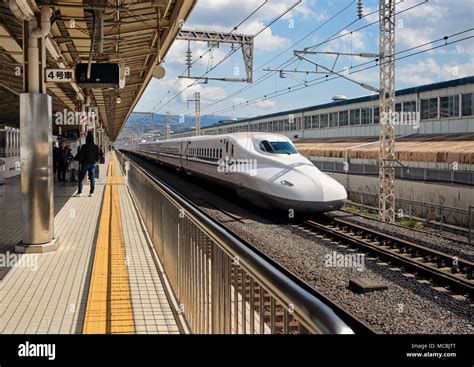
(88, 158)
(61, 160)
(55, 157)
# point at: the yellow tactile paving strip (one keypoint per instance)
(109, 305)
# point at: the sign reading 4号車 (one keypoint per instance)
(59, 75)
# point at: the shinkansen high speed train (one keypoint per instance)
(263, 168)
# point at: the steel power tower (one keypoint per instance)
(168, 125)
(387, 107)
(197, 104)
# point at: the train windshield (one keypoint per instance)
(277, 147)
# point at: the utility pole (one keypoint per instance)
(387, 107)
(197, 104)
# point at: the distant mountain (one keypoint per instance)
(143, 124)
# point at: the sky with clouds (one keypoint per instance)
(329, 25)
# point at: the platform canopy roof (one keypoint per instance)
(136, 34)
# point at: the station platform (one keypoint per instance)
(103, 278)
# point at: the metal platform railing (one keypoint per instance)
(222, 285)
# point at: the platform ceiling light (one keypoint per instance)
(119, 100)
(159, 72)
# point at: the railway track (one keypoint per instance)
(360, 215)
(443, 272)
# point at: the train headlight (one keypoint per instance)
(287, 183)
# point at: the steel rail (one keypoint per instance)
(430, 263)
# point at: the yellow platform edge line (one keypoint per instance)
(109, 307)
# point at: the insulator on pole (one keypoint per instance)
(189, 58)
(360, 9)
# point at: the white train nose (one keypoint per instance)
(331, 189)
(305, 189)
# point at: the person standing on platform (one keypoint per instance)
(101, 160)
(88, 158)
(55, 158)
(101, 155)
(62, 159)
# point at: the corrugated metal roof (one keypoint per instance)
(132, 34)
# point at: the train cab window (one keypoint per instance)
(265, 146)
(277, 147)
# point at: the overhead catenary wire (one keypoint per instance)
(235, 28)
(228, 55)
(331, 38)
(325, 79)
(286, 63)
(287, 49)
